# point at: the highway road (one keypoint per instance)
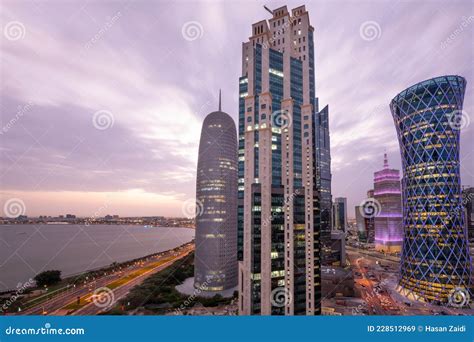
(378, 289)
(58, 305)
(378, 300)
(121, 291)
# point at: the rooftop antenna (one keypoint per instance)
(220, 101)
(385, 160)
(268, 10)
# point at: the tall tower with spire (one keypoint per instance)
(279, 224)
(220, 107)
(388, 209)
(215, 266)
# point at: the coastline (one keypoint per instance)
(76, 277)
(76, 249)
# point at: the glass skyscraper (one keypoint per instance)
(339, 212)
(323, 181)
(215, 264)
(468, 202)
(435, 256)
(279, 253)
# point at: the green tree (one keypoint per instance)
(48, 278)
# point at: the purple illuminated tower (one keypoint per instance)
(388, 221)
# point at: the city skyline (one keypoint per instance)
(143, 163)
(156, 201)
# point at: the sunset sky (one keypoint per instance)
(102, 102)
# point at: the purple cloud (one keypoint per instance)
(134, 61)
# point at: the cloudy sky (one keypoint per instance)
(102, 102)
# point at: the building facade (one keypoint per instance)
(215, 263)
(338, 249)
(370, 220)
(435, 257)
(360, 224)
(388, 222)
(468, 203)
(323, 182)
(279, 252)
(340, 214)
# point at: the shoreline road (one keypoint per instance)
(121, 291)
(119, 284)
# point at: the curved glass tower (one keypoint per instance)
(216, 196)
(435, 256)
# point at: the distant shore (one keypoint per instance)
(148, 222)
(96, 224)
